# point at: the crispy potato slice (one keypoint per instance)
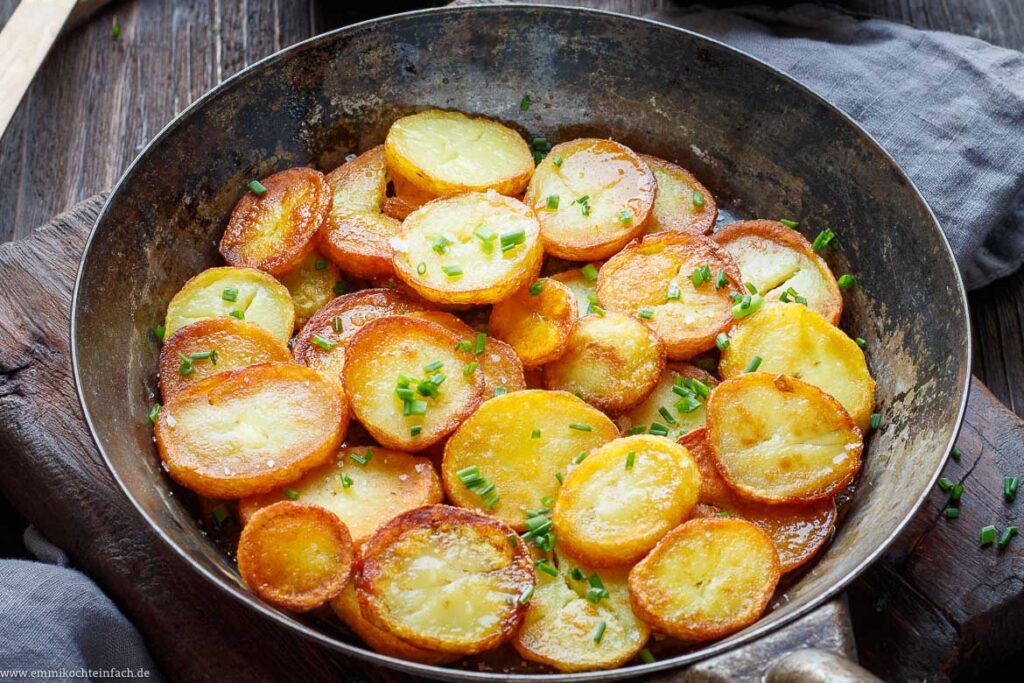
(705, 579)
(776, 259)
(248, 431)
(386, 350)
(536, 321)
(346, 607)
(623, 498)
(357, 233)
(499, 440)
(334, 324)
(675, 394)
(295, 556)
(595, 201)
(312, 285)
(612, 361)
(243, 293)
(235, 344)
(561, 625)
(275, 230)
(583, 285)
(445, 579)
(446, 152)
(363, 496)
(777, 439)
(654, 278)
(794, 340)
(683, 204)
(443, 257)
(798, 531)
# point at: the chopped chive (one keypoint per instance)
(580, 427)
(364, 458)
(557, 160)
(951, 512)
(415, 430)
(751, 287)
(823, 239)
(535, 434)
(346, 480)
(560, 477)
(524, 104)
(722, 341)
(525, 596)
(292, 494)
(417, 407)
(452, 271)
(486, 236)
(237, 314)
(876, 420)
(433, 366)
(159, 332)
(720, 279)
(440, 244)
(536, 288)
(186, 368)
(509, 240)
(1004, 540)
(861, 342)
(323, 342)
(987, 536)
(646, 657)
(545, 566)
(589, 272)
(336, 323)
(513, 540)
(945, 484)
(753, 365)
(596, 310)
(788, 223)
(154, 412)
(479, 342)
(599, 633)
(229, 294)
(470, 368)
(210, 355)
(846, 281)
(687, 404)
(500, 391)
(645, 313)
(552, 202)
(257, 188)
(577, 574)
(115, 29)
(658, 429)
(956, 493)
(698, 198)
(1010, 485)
(421, 268)
(320, 264)
(405, 393)
(748, 305)
(626, 217)
(673, 292)
(463, 345)
(637, 429)
(667, 415)
(630, 459)
(955, 453)
(340, 287)
(579, 457)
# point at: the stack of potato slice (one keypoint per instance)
(405, 420)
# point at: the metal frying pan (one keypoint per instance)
(765, 146)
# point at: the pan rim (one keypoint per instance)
(752, 633)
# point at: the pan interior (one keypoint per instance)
(764, 145)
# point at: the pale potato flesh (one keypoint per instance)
(674, 208)
(612, 508)
(311, 287)
(537, 325)
(584, 289)
(486, 273)
(663, 396)
(498, 439)
(794, 340)
(261, 299)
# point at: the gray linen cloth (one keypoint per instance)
(950, 109)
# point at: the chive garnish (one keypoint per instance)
(154, 412)
(486, 236)
(535, 434)
(645, 313)
(560, 477)
(553, 202)
(480, 485)
(637, 429)
(646, 657)
(433, 366)
(292, 494)
(630, 459)
(513, 540)
(955, 453)
(452, 271)
(720, 279)
(440, 244)
(580, 427)
(115, 29)
(791, 295)
(667, 415)
(753, 365)
(579, 457)
(987, 536)
(589, 271)
(876, 420)
(823, 239)
(336, 323)
(186, 368)
(229, 294)
(722, 341)
(524, 104)
(658, 429)
(237, 314)
(479, 342)
(846, 281)
(346, 480)
(543, 565)
(417, 407)
(320, 264)
(159, 332)
(557, 160)
(626, 217)
(210, 355)
(323, 342)
(364, 458)
(788, 223)
(698, 198)
(1004, 540)
(340, 287)
(599, 633)
(945, 484)
(673, 292)
(1010, 485)
(500, 391)
(525, 596)
(421, 268)
(951, 512)
(463, 345)
(510, 240)
(861, 342)
(747, 305)
(470, 368)
(257, 188)
(751, 287)
(536, 288)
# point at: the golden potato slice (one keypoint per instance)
(242, 293)
(565, 630)
(473, 248)
(798, 531)
(408, 383)
(593, 201)
(445, 579)
(248, 431)
(705, 579)
(683, 204)
(780, 440)
(496, 360)
(779, 261)
(582, 282)
(792, 339)
(346, 606)
(446, 152)
(322, 341)
(295, 556)
(357, 233)
(312, 285)
(611, 361)
(521, 442)
(654, 279)
(365, 487)
(675, 407)
(623, 498)
(536, 321)
(275, 230)
(214, 345)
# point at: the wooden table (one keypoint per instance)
(97, 100)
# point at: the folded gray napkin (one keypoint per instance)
(949, 108)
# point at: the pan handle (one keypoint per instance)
(812, 665)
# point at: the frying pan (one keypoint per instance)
(765, 146)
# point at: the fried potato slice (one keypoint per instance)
(248, 431)
(705, 579)
(312, 285)
(295, 556)
(595, 201)
(561, 626)
(473, 248)
(676, 394)
(623, 498)
(792, 339)
(777, 439)
(583, 284)
(275, 230)
(799, 532)
(654, 278)
(242, 293)
(612, 361)
(234, 344)
(777, 259)
(498, 362)
(357, 233)
(321, 343)
(390, 352)
(346, 607)
(536, 321)
(446, 152)
(363, 496)
(445, 579)
(683, 204)
(499, 440)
